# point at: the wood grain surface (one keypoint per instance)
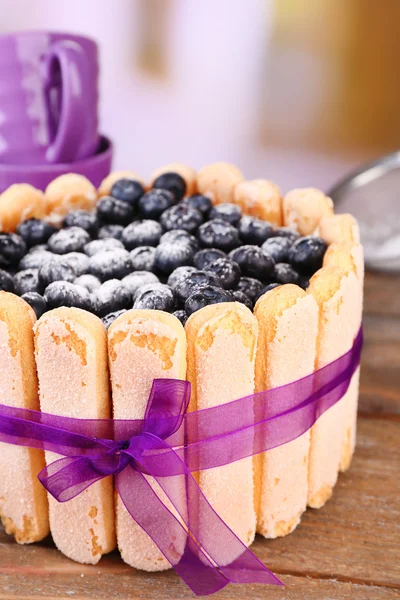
(350, 549)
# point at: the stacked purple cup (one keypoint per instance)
(49, 109)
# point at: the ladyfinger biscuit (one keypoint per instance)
(333, 290)
(260, 198)
(23, 501)
(187, 173)
(69, 192)
(221, 353)
(304, 208)
(143, 345)
(19, 202)
(288, 320)
(339, 228)
(71, 358)
(108, 182)
(217, 181)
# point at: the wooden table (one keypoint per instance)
(350, 549)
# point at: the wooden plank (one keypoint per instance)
(382, 294)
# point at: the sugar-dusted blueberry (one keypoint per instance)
(12, 249)
(78, 261)
(143, 258)
(55, 269)
(254, 231)
(173, 182)
(154, 203)
(72, 239)
(287, 232)
(169, 256)
(114, 211)
(34, 260)
(181, 315)
(27, 281)
(141, 233)
(267, 288)
(157, 297)
(110, 231)
(239, 296)
(111, 264)
(97, 246)
(205, 296)
(35, 231)
(250, 286)
(6, 282)
(180, 273)
(90, 282)
(187, 285)
(306, 254)
(202, 258)
(111, 296)
(227, 270)
(180, 235)
(284, 273)
(64, 293)
(278, 247)
(201, 203)
(110, 318)
(136, 280)
(227, 212)
(127, 190)
(37, 302)
(220, 234)
(83, 218)
(181, 216)
(253, 262)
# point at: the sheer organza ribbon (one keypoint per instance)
(169, 445)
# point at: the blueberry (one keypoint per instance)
(111, 264)
(218, 234)
(64, 293)
(267, 288)
(180, 235)
(249, 286)
(253, 262)
(227, 270)
(128, 190)
(239, 296)
(72, 239)
(181, 315)
(187, 285)
(27, 281)
(110, 231)
(304, 281)
(34, 260)
(97, 246)
(55, 269)
(78, 261)
(205, 257)
(114, 212)
(306, 254)
(254, 231)
(137, 280)
(6, 282)
(154, 203)
(112, 296)
(35, 231)
(90, 282)
(278, 248)
(201, 203)
(181, 216)
(158, 297)
(179, 273)
(284, 273)
(170, 256)
(38, 248)
(83, 218)
(37, 302)
(204, 296)
(287, 232)
(227, 212)
(12, 249)
(141, 233)
(173, 182)
(110, 318)
(143, 258)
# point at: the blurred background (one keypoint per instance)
(297, 91)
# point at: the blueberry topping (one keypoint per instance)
(128, 190)
(90, 282)
(27, 281)
(78, 261)
(181, 216)
(111, 264)
(267, 288)
(135, 281)
(6, 282)
(72, 239)
(173, 182)
(239, 296)
(37, 302)
(249, 286)
(278, 247)
(12, 249)
(169, 256)
(180, 273)
(157, 297)
(253, 262)
(110, 318)
(227, 212)
(205, 257)
(304, 281)
(63, 293)
(287, 232)
(38, 248)
(254, 231)
(154, 203)
(180, 235)
(34, 260)
(201, 203)
(284, 273)
(218, 234)
(306, 254)
(181, 315)
(227, 270)
(84, 219)
(114, 211)
(97, 246)
(35, 231)
(55, 269)
(110, 231)
(204, 296)
(143, 258)
(187, 285)
(112, 296)
(141, 233)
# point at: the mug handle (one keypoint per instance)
(65, 70)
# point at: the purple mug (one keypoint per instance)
(48, 98)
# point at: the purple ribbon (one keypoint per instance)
(169, 445)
